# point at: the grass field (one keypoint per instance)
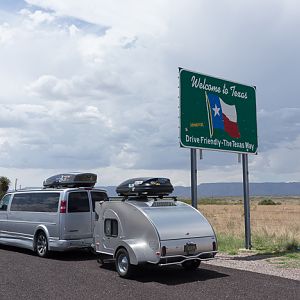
(274, 228)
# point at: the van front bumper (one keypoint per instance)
(62, 245)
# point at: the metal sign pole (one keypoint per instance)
(246, 201)
(194, 177)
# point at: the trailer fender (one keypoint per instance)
(135, 251)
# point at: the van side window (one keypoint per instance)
(97, 197)
(111, 227)
(35, 202)
(78, 202)
(4, 202)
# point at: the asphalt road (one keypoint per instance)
(77, 275)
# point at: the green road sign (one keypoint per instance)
(216, 114)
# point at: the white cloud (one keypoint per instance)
(37, 17)
(280, 161)
(121, 16)
(6, 34)
(92, 85)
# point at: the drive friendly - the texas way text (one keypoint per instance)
(216, 142)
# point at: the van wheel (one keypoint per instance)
(42, 245)
(123, 266)
(191, 265)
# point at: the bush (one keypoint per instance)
(263, 243)
(268, 202)
(275, 244)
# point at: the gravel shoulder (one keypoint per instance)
(255, 263)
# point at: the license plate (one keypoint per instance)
(190, 248)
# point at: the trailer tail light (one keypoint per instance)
(63, 206)
(163, 251)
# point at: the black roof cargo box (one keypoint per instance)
(71, 180)
(147, 186)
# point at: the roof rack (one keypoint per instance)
(141, 198)
(165, 198)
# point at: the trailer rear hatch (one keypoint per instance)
(179, 222)
(184, 233)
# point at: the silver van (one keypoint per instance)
(49, 219)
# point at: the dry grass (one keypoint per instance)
(277, 220)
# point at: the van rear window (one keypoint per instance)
(78, 202)
(35, 202)
(97, 197)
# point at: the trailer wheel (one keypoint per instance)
(42, 245)
(191, 265)
(123, 266)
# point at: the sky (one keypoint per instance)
(92, 86)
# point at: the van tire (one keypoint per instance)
(41, 245)
(191, 265)
(123, 266)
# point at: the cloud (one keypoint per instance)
(276, 127)
(37, 17)
(122, 17)
(93, 85)
(6, 34)
(53, 136)
(278, 163)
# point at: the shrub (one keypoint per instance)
(275, 244)
(4, 185)
(268, 202)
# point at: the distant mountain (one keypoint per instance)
(236, 189)
(233, 189)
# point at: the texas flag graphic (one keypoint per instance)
(221, 116)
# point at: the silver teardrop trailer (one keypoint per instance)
(144, 225)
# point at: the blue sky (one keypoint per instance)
(12, 5)
(92, 85)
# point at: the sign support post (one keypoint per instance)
(194, 177)
(246, 201)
